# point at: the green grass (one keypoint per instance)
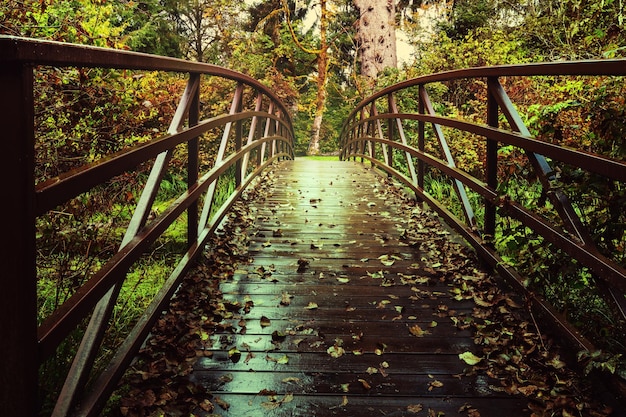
(320, 157)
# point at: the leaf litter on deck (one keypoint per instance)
(509, 349)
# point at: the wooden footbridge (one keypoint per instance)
(353, 291)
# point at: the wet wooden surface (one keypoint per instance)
(334, 293)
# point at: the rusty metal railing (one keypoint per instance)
(25, 345)
(376, 131)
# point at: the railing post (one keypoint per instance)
(238, 144)
(421, 139)
(18, 298)
(492, 161)
(251, 134)
(390, 137)
(221, 152)
(393, 108)
(193, 167)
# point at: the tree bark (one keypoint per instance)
(322, 71)
(376, 36)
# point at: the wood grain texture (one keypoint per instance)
(332, 269)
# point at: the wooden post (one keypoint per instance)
(238, 143)
(18, 283)
(421, 139)
(492, 162)
(193, 166)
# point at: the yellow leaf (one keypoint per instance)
(311, 306)
(417, 331)
(371, 370)
(469, 358)
(335, 351)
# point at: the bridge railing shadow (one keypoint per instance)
(255, 132)
(399, 131)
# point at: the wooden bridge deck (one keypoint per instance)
(353, 304)
(331, 276)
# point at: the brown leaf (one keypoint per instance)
(285, 299)
(417, 331)
(434, 384)
(207, 405)
(365, 384)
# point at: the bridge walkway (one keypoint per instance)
(355, 301)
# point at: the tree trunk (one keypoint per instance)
(322, 71)
(376, 36)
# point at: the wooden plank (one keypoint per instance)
(317, 238)
(322, 405)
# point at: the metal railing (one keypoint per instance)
(397, 142)
(25, 344)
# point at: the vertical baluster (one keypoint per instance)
(266, 133)
(18, 298)
(360, 145)
(492, 162)
(379, 129)
(221, 152)
(251, 134)
(390, 136)
(393, 108)
(459, 188)
(238, 144)
(421, 138)
(193, 167)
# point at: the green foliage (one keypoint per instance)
(605, 361)
(574, 29)
(467, 16)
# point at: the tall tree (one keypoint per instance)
(206, 25)
(376, 36)
(322, 76)
(322, 59)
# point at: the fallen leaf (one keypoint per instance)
(386, 260)
(335, 351)
(223, 404)
(469, 358)
(311, 306)
(265, 322)
(285, 299)
(365, 384)
(207, 405)
(417, 331)
(434, 384)
(527, 390)
(414, 408)
(234, 354)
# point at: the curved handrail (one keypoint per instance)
(269, 137)
(364, 136)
